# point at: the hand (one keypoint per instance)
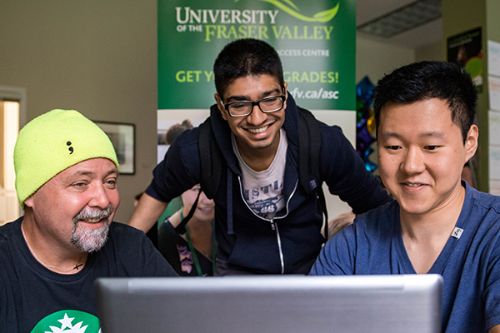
(339, 223)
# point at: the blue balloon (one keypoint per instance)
(369, 165)
(365, 91)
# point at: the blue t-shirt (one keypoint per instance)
(469, 265)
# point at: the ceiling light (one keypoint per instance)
(403, 19)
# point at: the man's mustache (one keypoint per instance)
(88, 213)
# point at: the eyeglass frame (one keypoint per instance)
(253, 103)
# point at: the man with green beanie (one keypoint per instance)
(66, 181)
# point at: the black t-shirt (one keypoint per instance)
(30, 294)
(176, 250)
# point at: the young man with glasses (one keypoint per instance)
(265, 221)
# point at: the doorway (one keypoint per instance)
(12, 102)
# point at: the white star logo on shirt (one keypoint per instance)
(66, 323)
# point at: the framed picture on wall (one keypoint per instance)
(122, 135)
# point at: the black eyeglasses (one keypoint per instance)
(245, 108)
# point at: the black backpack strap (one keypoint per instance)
(309, 151)
(210, 159)
(309, 159)
(181, 228)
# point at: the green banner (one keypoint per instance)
(315, 39)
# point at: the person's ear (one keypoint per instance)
(28, 202)
(220, 107)
(471, 142)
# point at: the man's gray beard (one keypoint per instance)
(88, 240)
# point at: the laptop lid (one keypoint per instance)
(374, 303)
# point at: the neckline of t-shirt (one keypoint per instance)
(281, 152)
(42, 270)
(445, 255)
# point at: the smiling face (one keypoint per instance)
(421, 155)
(76, 206)
(259, 130)
(206, 207)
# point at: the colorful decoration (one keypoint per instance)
(365, 121)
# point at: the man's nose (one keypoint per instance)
(257, 117)
(99, 197)
(413, 162)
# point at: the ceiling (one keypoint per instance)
(368, 10)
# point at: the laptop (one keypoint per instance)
(271, 304)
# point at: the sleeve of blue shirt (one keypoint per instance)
(337, 256)
(491, 294)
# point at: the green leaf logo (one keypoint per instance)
(327, 15)
(70, 321)
(289, 7)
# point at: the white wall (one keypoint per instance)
(98, 57)
(375, 59)
(432, 52)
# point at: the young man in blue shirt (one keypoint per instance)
(438, 224)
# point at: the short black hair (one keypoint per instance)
(430, 79)
(246, 57)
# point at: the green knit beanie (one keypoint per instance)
(52, 143)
